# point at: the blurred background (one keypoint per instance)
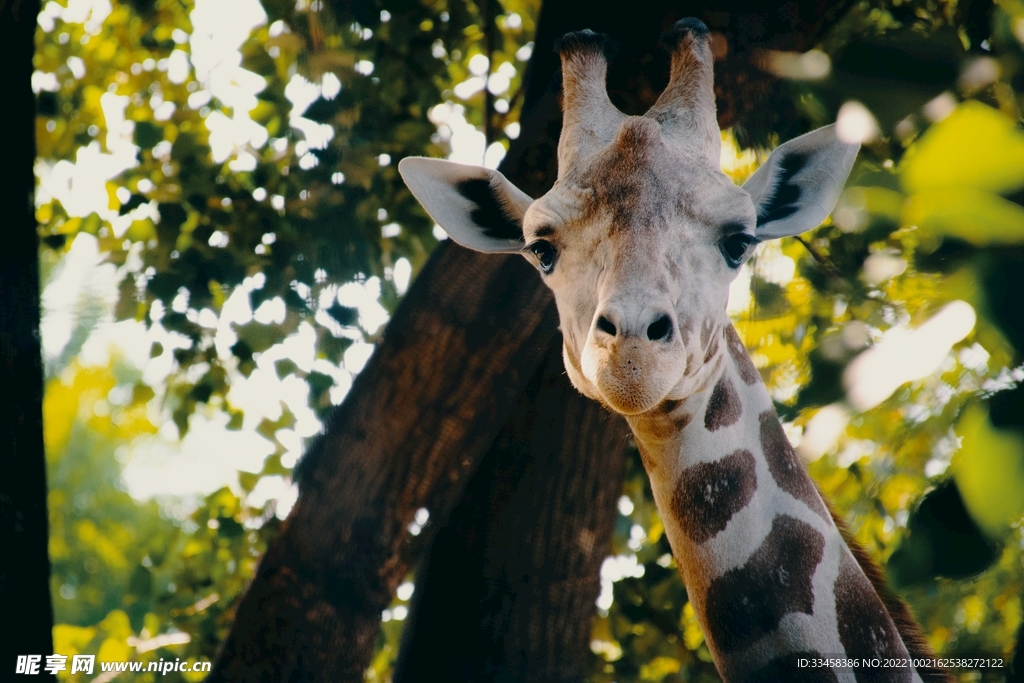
(225, 238)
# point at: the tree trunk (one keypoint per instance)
(461, 350)
(508, 591)
(24, 564)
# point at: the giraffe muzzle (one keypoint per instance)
(633, 361)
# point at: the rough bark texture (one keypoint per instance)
(455, 361)
(508, 591)
(24, 565)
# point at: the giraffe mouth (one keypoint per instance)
(633, 378)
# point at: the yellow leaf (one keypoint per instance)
(91, 99)
(656, 530)
(60, 406)
(113, 203)
(71, 225)
(72, 640)
(263, 111)
(973, 215)
(193, 548)
(116, 625)
(693, 636)
(44, 213)
(141, 230)
(114, 650)
(106, 51)
(87, 531)
(658, 668)
(877, 201)
(134, 421)
(974, 612)
(975, 146)
(217, 292)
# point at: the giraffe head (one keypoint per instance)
(642, 233)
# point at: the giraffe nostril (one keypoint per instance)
(606, 326)
(660, 329)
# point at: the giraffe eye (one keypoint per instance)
(545, 253)
(734, 248)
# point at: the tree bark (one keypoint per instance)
(24, 564)
(508, 590)
(450, 377)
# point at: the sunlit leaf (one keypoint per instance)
(975, 146)
(989, 470)
(976, 216)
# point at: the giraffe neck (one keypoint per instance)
(767, 571)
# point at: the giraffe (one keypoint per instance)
(639, 239)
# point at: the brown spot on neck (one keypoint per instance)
(786, 470)
(710, 493)
(747, 603)
(724, 407)
(865, 628)
(911, 634)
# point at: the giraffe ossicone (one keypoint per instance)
(639, 240)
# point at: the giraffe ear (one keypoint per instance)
(477, 206)
(799, 184)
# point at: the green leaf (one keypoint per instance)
(268, 427)
(236, 421)
(142, 393)
(272, 465)
(976, 216)
(148, 134)
(319, 382)
(230, 528)
(258, 337)
(989, 470)
(285, 367)
(975, 146)
(248, 480)
(91, 224)
(141, 582)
